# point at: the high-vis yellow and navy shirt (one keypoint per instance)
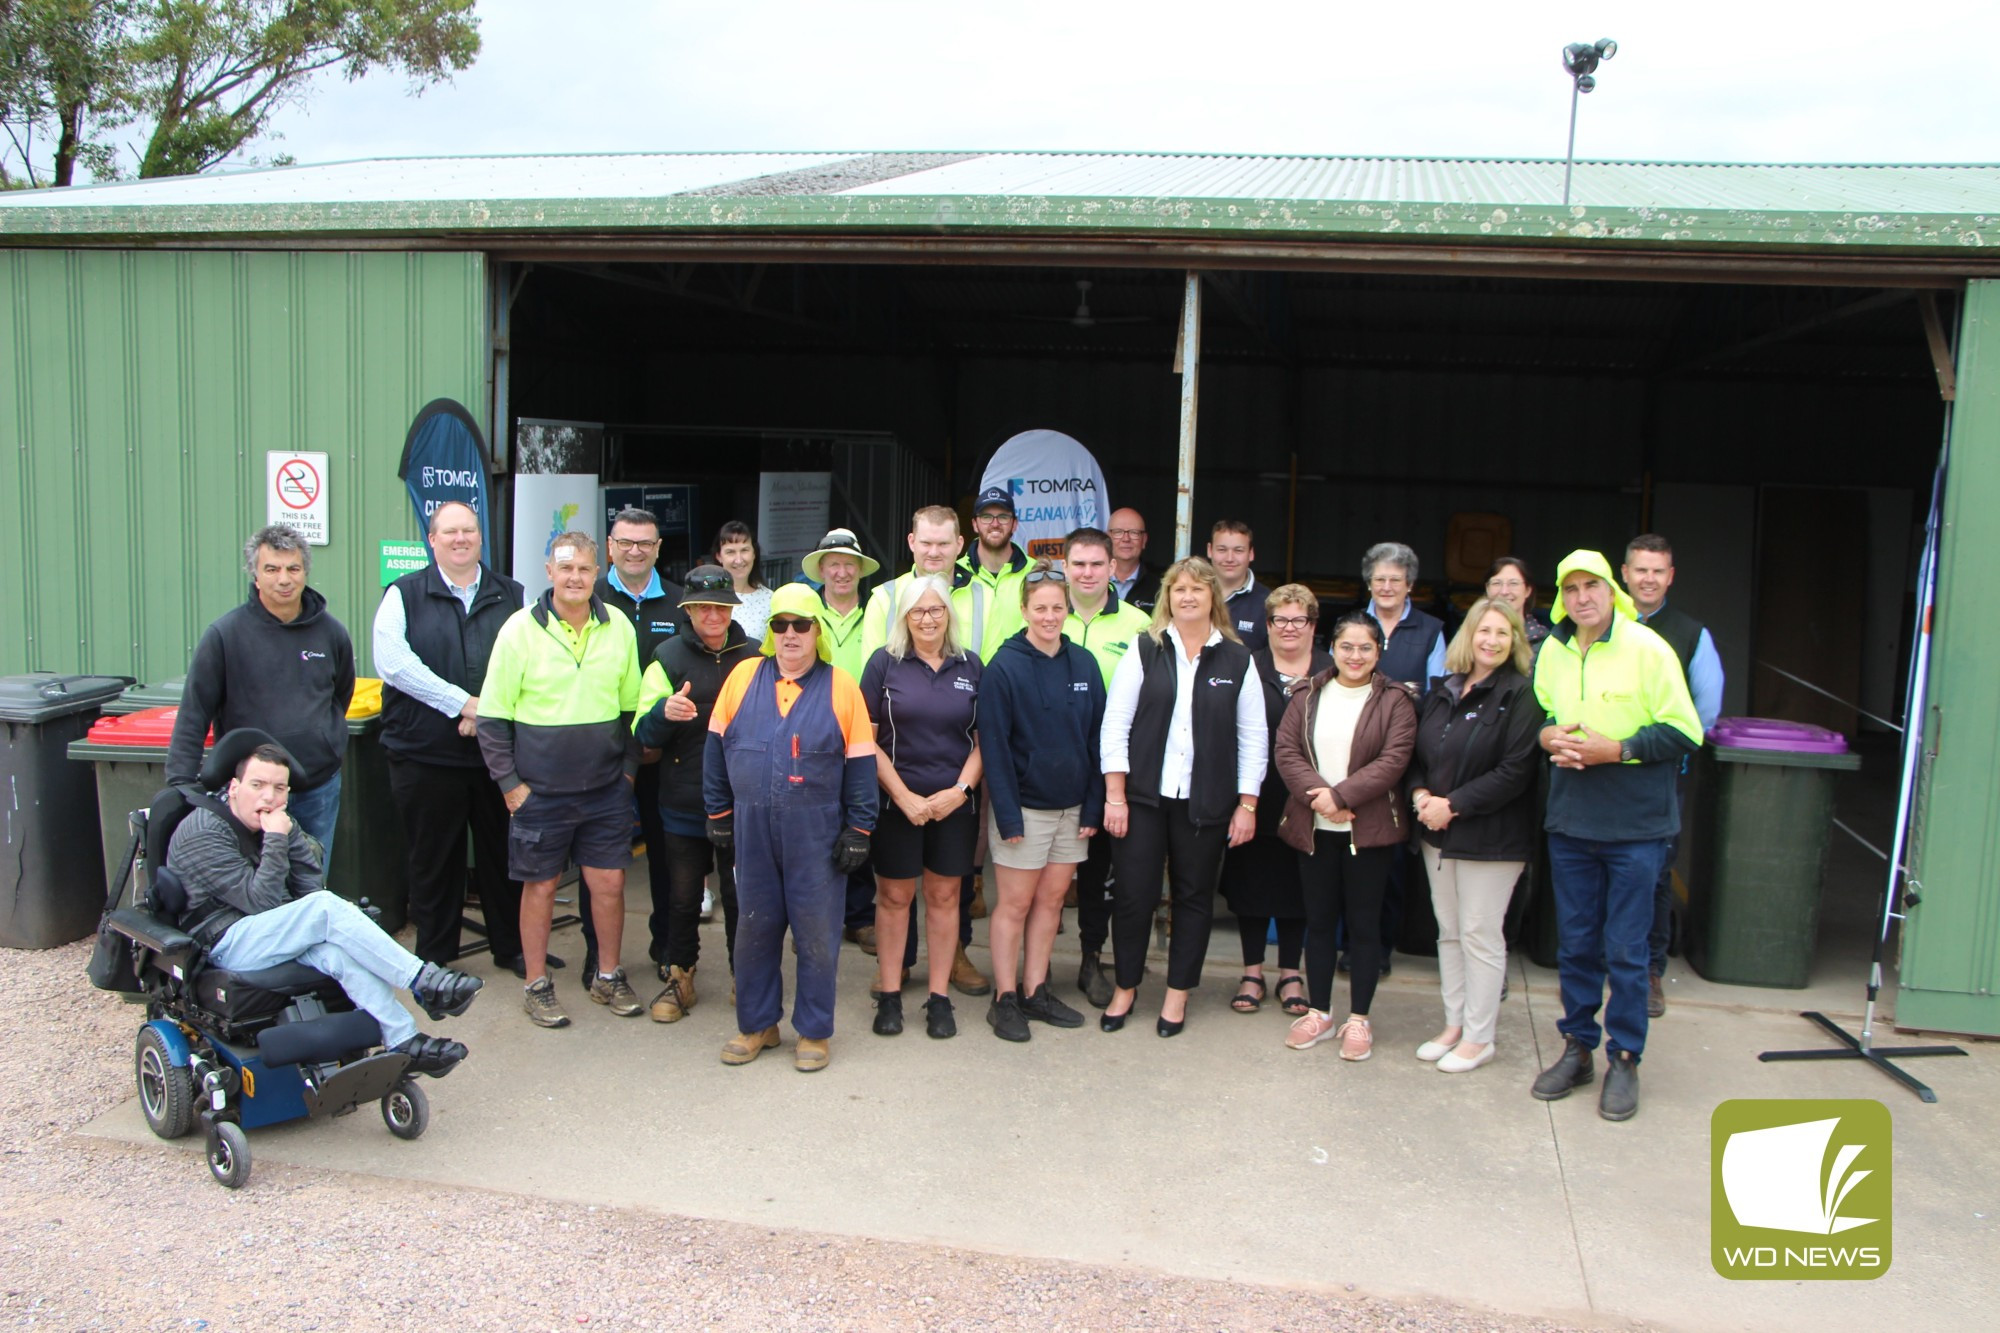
(556, 708)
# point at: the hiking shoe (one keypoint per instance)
(1656, 996)
(861, 935)
(672, 1004)
(1572, 1069)
(616, 994)
(1090, 979)
(443, 993)
(811, 1055)
(436, 1056)
(744, 1047)
(1310, 1029)
(1044, 1007)
(542, 1005)
(888, 1012)
(1005, 1018)
(1357, 1039)
(965, 978)
(1620, 1098)
(939, 1021)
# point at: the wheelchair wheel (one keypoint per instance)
(407, 1110)
(166, 1090)
(228, 1154)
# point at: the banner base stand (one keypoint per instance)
(1879, 1056)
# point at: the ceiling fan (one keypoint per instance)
(1082, 318)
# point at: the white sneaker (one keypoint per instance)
(1454, 1063)
(707, 905)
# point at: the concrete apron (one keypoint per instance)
(1220, 1153)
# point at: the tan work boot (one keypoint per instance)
(968, 979)
(811, 1055)
(671, 1005)
(977, 907)
(744, 1047)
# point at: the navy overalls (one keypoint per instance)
(785, 777)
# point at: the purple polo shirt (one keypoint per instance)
(924, 719)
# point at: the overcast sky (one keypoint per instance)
(1692, 81)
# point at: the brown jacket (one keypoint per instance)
(1385, 737)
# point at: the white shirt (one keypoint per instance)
(1121, 704)
(402, 668)
(1333, 737)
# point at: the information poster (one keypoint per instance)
(791, 514)
(295, 493)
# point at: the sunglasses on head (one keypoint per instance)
(1045, 576)
(792, 625)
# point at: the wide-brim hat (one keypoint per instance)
(709, 585)
(841, 541)
(1592, 562)
(796, 599)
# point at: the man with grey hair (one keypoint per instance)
(1413, 651)
(282, 664)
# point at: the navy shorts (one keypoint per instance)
(548, 832)
(902, 850)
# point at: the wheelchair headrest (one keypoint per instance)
(230, 750)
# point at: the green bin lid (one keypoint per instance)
(42, 696)
(1737, 754)
(160, 693)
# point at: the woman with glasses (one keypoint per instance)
(1041, 707)
(1412, 640)
(1342, 748)
(1261, 878)
(1184, 751)
(1510, 582)
(1472, 786)
(922, 692)
(736, 551)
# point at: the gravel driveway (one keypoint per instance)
(99, 1236)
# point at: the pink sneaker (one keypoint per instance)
(1310, 1029)
(1357, 1040)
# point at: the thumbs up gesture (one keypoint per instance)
(680, 708)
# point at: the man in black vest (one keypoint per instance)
(433, 633)
(1648, 574)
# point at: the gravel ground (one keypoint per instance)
(99, 1236)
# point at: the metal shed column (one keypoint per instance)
(1951, 936)
(1187, 361)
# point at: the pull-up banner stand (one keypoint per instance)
(1057, 488)
(445, 462)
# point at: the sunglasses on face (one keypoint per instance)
(792, 625)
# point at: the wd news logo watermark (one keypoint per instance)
(1800, 1190)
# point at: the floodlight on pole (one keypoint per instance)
(1581, 59)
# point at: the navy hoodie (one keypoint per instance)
(1038, 722)
(293, 679)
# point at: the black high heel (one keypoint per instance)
(1167, 1029)
(1110, 1022)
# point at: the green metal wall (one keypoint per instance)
(139, 392)
(1951, 941)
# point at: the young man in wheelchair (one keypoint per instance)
(256, 898)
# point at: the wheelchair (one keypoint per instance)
(235, 1051)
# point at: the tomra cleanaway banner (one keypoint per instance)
(1057, 488)
(444, 460)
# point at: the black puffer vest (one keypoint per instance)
(455, 646)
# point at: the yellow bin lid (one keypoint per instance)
(367, 701)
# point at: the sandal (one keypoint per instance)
(1295, 1005)
(1246, 1002)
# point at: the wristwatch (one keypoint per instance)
(965, 788)
(1625, 755)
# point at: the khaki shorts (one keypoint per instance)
(1048, 837)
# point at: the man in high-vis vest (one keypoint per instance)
(555, 727)
(986, 586)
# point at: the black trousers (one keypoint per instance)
(1163, 839)
(1255, 932)
(646, 790)
(1344, 886)
(440, 805)
(1093, 895)
(678, 919)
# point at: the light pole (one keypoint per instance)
(1580, 59)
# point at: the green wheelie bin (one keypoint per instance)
(52, 887)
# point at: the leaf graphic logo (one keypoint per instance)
(1800, 1189)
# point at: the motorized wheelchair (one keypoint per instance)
(233, 1051)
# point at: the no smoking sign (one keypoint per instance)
(295, 493)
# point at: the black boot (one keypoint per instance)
(1572, 1069)
(1090, 979)
(443, 993)
(1620, 1098)
(436, 1056)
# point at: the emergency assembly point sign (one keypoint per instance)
(295, 493)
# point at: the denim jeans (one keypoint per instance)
(326, 931)
(1604, 913)
(317, 811)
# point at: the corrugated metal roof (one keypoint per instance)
(1676, 205)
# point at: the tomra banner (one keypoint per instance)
(444, 459)
(1057, 488)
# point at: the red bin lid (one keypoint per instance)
(147, 727)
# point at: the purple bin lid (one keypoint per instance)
(1770, 733)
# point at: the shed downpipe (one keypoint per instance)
(1187, 363)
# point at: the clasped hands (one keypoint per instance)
(1579, 746)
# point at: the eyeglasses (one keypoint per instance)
(997, 516)
(1504, 585)
(633, 544)
(1388, 581)
(1128, 532)
(1354, 649)
(1290, 622)
(926, 612)
(792, 625)
(1044, 576)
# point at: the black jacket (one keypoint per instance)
(1222, 672)
(293, 679)
(454, 644)
(654, 619)
(689, 661)
(1480, 750)
(1271, 800)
